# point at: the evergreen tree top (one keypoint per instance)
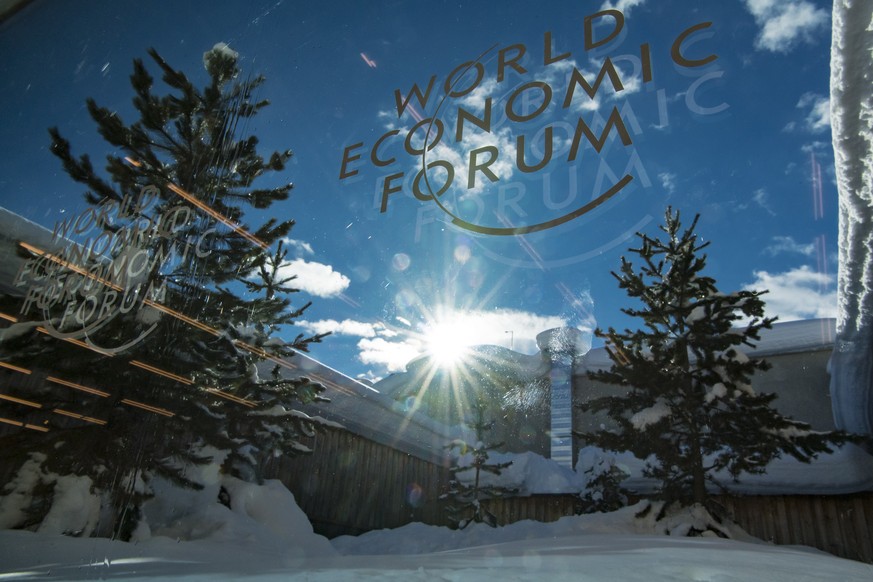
(686, 397)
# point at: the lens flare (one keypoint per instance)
(445, 342)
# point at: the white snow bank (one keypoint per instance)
(409, 538)
(847, 470)
(529, 474)
(263, 534)
(579, 549)
(75, 509)
(16, 495)
(184, 531)
(265, 516)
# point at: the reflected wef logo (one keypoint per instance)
(105, 263)
(539, 126)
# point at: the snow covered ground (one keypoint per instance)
(266, 536)
(848, 469)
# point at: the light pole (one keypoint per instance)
(511, 337)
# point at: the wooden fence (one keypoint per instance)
(840, 524)
(352, 485)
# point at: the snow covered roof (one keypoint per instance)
(497, 359)
(15, 228)
(790, 337)
(357, 407)
(363, 410)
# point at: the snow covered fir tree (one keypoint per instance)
(474, 474)
(603, 491)
(149, 332)
(683, 400)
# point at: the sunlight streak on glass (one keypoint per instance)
(154, 409)
(20, 401)
(76, 342)
(160, 372)
(68, 265)
(75, 386)
(219, 217)
(231, 397)
(23, 425)
(15, 368)
(90, 419)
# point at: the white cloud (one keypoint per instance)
(797, 294)
(816, 147)
(393, 355)
(668, 181)
(504, 139)
(785, 23)
(497, 327)
(560, 75)
(786, 244)
(502, 136)
(299, 246)
(762, 199)
(388, 351)
(344, 327)
(389, 119)
(475, 99)
(818, 118)
(623, 6)
(631, 79)
(315, 278)
(459, 157)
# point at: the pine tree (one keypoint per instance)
(686, 396)
(180, 356)
(603, 491)
(467, 489)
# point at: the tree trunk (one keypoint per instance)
(698, 475)
(692, 402)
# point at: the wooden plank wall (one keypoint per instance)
(841, 524)
(351, 485)
(545, 508)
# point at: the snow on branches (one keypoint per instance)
(686, 399)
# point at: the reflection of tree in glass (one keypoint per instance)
(515, 394)
(686, 398)
(474, 474)
(177, 254)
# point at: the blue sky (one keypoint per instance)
(743, 139)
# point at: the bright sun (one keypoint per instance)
(446, 342)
